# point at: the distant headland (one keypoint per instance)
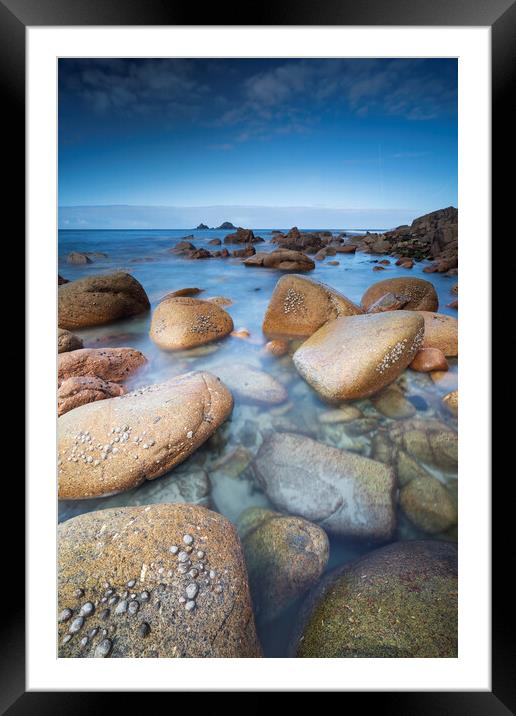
(226, 225)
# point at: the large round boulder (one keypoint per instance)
(399, 601)
(115, 444)
(343, 492)
(113, 364)
(183, 322)
(357, 356)
(285, 557)
(161, 581)
(421, 294)
(96, 300)
(441, 332)
(299, 306)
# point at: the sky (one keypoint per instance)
(320, 143)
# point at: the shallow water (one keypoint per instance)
(223, 460)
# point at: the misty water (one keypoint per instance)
(224, 458)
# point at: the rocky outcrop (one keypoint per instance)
(432, 236)
(344, 493)
(357, 356)
(242, 236)
(100, 299)
(294, 240)
(113, 445)
(399, 601)
(299, 306)
(78, 258)
(183, 322)
(161, 581)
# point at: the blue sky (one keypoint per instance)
(314, 142)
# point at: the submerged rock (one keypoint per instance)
(399, 601)
(451, 401)
(344, 493)
(96, 300)
(392, 403)
(285, 556)
(432, 442)
(276, 348)
(74, 392)
(428, 504)
(357, 356)
(441, 332)
(111, 364)
(421, 294)
(115, 444)
(67, 341)
(299, 306)
(171, 613)
(251, 384)
(179, 323)
(78, 258)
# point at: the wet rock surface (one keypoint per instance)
(95, 300)
(74, 392)
(285, 556)
(161, 581)
(115, 444)
(299, 306)
(67, 341)
(399, 601)
(183, 322)
(357, 356)
(342, 492)
(421, 294)
(111, 364)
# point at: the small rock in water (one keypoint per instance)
(451, 401)
(418, 402)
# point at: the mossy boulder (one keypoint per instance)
(399, 601)
(285, 557)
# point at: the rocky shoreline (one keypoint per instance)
(366, 461)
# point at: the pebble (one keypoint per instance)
(76, 625)
(103, 649)
(183, 556)
(131, 583)
(418, 402)
(145, 596)
(84, 641)
(121, 607)
(144, 629)
(65, 615)
(93, 632)
(200, 554)
(87, 609)
(188, 539)
(191, 590)
(174, 549)
(79, 593)
(104, 614)
(67, 638)
(190, 606)
(133, 607)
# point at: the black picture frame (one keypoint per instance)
(500, 15)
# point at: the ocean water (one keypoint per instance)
(146, 255)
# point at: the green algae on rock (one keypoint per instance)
(285, 556)
(161, 581)
(399, 601)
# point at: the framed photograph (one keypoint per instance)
(245, 465)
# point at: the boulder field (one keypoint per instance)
(161, 581)
(113, 445)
